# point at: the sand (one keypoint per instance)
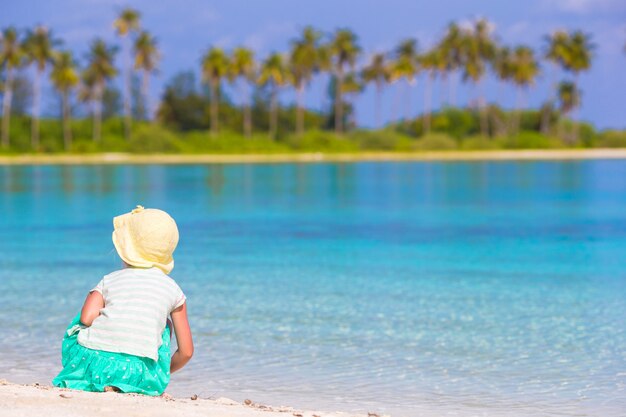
(499, 155)
(37, 400)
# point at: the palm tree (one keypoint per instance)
(39, 47)
(377, 72)
(569, 96)
(87, 91)
(433, 61)
(64, 77)
(442, 67)
(146, 58)
(351, 85)
(556, 54)
(215, 66)
(579, 53)
(274, 74)
(478, 50)
(100, 69)
(243, 66)
(405, 66)
(556, 47)
(304, 61)
(127, 23)
(524, 68)
(502, 66)
(344, 51)
(11, 54)
(451, 49)
(569, 99)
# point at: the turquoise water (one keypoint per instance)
(408, 288)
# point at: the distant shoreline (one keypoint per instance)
(498, 155)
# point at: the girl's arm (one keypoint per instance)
(91, 309)
(183, 338)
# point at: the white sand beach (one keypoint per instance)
(497, 155)
(39, 400)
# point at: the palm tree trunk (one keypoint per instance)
(427, 101)
(214, 107)
(575, 122)
(146, 97)
(484, 121)
(379, 95)
(6, 108)
(395, 109)
(407, 103)
(338, 101)
(499, 125)
(97, 114)
(300, 109)
(545, 116)
(352, 115)
(560, 131)
(247, 115)
(518, 111)
(273, 114)
(546, 112)
(34, 139)
(499, 89)
(67, 129)
(452, 90)
(127, 87)
(444, 89)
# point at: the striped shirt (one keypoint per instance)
(137, 303)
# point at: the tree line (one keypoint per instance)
(471, 51)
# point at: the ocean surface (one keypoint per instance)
(421, 288)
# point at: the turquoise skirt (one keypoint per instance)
(91, 370)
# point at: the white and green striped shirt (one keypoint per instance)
(137, 303)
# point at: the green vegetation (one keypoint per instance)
(452, 129)
(198, 117)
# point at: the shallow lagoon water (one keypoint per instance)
(418, 288)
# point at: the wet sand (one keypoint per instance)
(35, 401)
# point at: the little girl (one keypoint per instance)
(120, 341)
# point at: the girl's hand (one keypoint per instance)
(183, 338)
(91, 308)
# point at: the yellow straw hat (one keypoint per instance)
(146, 238)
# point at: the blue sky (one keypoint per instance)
(186, 28)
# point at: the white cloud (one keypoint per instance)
(586, 6)
(609, 41)
(267, 37)
(224, 42)
(517, 28)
